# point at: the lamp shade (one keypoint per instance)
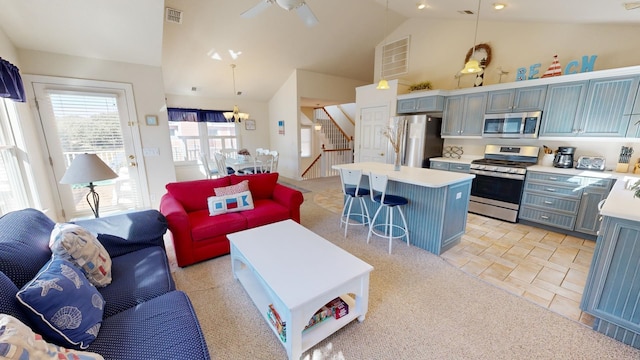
(87, 168)
(382, 85)
(471, 67)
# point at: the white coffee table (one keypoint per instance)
(298, 271)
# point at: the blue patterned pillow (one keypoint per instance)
(63, 304)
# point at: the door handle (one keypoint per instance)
(381, 154)
(133, 164)
(131, 157)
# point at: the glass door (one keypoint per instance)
(78, 120)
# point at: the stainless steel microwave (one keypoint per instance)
(512, 125)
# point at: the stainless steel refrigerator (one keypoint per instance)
(422, 140)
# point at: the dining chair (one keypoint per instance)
(351, 189)
(264, 163)
(378, 192)
(206, 164)
(274, 164)
(221, 165)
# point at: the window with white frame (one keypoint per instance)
(305, 141)
(191, 139)
(13, 187)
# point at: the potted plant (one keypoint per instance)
(425, 85)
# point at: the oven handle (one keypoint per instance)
(498, 175)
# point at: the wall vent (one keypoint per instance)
(395, 58)
(173, 15)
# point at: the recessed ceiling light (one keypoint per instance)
(498, 6)
(421, 5)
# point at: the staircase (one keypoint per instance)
(337, 129)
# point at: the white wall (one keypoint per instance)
(285, 106)
(148, 90)
(438, 47)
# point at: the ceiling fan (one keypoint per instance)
(301, 7)
(632, 5)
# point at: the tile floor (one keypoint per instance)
(544, 267)
(541, 266)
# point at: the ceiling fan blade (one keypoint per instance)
(257, 9)
(307, 16)
(632, 5)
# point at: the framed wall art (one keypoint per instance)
(250, 124)
(151, 120)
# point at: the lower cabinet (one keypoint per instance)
(564, 201)
(612, 290)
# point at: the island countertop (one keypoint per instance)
(620, 203)
(410, 175)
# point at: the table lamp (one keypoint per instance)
(88, 168)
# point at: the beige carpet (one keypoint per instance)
(420, 307)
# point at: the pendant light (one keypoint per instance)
(235, 115)
(473, 66)
(383, 84)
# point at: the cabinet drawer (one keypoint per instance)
(463, 168)
(595, 184)
(439, 165)
(547, 217)
(553, 189)
(551, 203)
(554, 178)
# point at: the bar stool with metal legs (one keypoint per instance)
(378, 193)
(351, 189)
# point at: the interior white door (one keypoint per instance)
(374, 146)
(92, 118)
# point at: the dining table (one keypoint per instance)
(243, 163)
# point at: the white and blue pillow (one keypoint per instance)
(230, 203)
(63, 304)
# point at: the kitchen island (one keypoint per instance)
(438, 202)
(612, 290)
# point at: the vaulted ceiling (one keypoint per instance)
(273, 43)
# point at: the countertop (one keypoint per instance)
(410, 175)
(620, 203)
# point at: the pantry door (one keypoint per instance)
(373, 144)
(84, 116)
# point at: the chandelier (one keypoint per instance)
(235, 115)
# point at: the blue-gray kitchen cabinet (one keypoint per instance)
(612, 291)
(433, 103)
(463, 114)
(560, 116)
(516, 100)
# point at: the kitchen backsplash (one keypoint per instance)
(587, 147)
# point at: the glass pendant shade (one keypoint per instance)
(383, 84)
(471, 67)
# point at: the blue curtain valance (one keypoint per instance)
(11, 82)
(196, 115)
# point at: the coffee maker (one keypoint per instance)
(564, 157)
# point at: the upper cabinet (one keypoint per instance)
(634, 123)
(561, 108)
(463, 114)
(433, 103)
(516, 100)
(595, 108)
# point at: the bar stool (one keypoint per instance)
(378, 193)
(351, 189)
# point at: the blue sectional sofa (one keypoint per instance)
(145, 317)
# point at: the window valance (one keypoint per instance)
(11, 82)
(196, 115)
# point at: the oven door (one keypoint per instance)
(497, 188)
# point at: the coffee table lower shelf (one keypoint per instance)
(262, 298)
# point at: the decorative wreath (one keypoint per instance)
(484, 47)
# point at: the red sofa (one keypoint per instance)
(197, 236)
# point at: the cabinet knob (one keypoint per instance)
(551, 190)
(548, 202)
(544, 217)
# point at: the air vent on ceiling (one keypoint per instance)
(466, 12)
(395, 58)
(173, 15)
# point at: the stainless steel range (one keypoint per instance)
(497, 187)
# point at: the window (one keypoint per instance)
(190, 139)
(305, 141)
(13, 187)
